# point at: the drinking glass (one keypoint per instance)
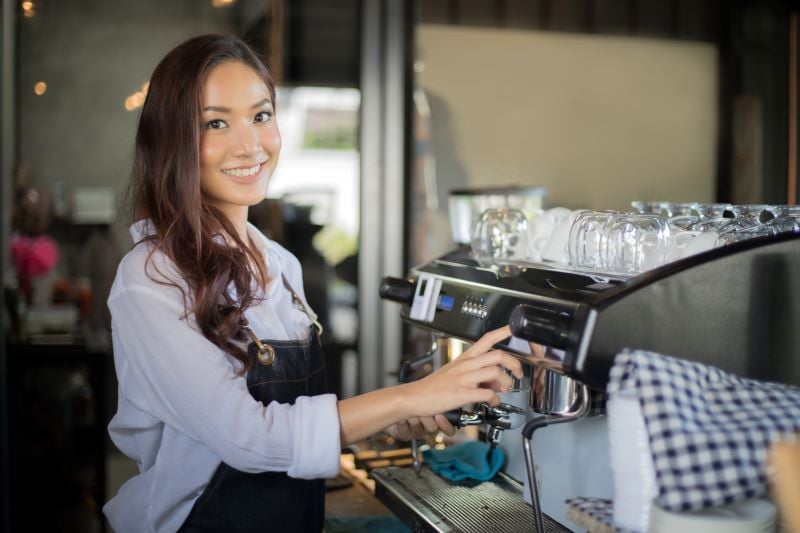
(787, 219)
(675, 209)
(747, 216)
(635, 243)
(705, 225)
(499, 235)
(709, 211)
(654, 208)
(682, 215)
(586, 238)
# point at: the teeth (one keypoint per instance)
(241, 172)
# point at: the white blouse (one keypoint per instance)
(182, 407)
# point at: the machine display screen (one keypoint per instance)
(446, 302)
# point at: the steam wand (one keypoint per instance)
(527, 435)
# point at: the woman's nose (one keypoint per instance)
(247, 141)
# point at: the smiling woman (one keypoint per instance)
(223, 78)
(222, 394)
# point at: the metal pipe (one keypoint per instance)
(527, 437)
(791, 188)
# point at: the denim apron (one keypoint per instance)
(269, 501)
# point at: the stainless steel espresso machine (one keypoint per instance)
(736, 307)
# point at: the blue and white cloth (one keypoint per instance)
(593, 514)
(709, 431)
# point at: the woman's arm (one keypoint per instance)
(473, 377)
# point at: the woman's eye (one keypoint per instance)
(215, 124)
(263, 116)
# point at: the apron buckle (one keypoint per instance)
(266, 353)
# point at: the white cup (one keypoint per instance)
(541, 228)
(538, 242)
(705, 241)
(557, 247)
(545, 223)
(678, 242)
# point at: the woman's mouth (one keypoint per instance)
(243, 172)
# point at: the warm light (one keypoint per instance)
(138, 98)
(221, 3)
(40, 88)
(28, 9)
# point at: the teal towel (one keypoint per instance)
(468, 460)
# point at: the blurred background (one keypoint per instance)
(385, 106)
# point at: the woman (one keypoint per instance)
(221, 397)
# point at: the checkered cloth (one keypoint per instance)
(593, 514)
(709, 431)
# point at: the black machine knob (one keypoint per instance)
(539, 325)
(397, 289)
(454, 417)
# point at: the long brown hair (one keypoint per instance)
(165, 187)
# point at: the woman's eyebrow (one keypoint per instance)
(221, 109)
(262, 103)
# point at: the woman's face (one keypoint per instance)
(240, 143)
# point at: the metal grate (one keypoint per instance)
(495, 505)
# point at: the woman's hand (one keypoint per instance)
(477, 375)
(418, 427)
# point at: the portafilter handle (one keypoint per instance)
(541, 325)
(497, 417)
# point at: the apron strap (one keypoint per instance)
(299, 302)
(266, 353)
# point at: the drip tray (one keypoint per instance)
(426, 502)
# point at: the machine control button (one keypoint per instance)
(475, 309)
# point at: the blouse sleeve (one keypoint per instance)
(169, 370)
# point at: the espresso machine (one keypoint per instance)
(734, 307)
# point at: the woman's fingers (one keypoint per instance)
(488, 340)
(444, 425)
(415, 427)
(495, 358)
(494, 377)
(399, 431)
(486, 396)
(429, 424)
